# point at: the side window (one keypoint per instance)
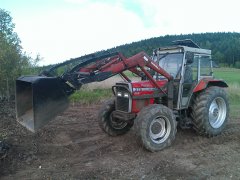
(205, 66)
(195, 67)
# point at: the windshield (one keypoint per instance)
(171, 63)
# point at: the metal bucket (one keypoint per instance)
(38, 100)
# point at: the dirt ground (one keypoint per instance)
(73, 147)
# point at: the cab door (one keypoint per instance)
(188, 80)
(199, 68)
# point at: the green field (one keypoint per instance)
(87, 96)
(232, 77)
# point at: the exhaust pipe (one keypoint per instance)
(39, 99)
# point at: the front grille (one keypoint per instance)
(122, 102)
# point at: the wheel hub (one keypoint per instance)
(217, 112)
(159, 129)
(156, 128)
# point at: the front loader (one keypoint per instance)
(177, 88)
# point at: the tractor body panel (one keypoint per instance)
(144, 93)
(132, 97)
(204, 83)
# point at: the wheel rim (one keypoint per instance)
(159, 129)
(217, 112)
(116, 123)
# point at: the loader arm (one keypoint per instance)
(106, 68)
(40, 98)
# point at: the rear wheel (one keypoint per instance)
(109, 124)
(156, 127)
(210, 111)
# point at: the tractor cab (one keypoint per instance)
(188, 64)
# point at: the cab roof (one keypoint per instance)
(183, 46)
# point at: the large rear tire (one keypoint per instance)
(110, 125)
(156, 127)
(210, 110)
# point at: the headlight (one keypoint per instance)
(119, 94)
(126, 95)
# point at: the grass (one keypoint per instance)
(232, 77)
(234, 97)
(89, 96)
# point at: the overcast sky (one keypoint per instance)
(62, 29)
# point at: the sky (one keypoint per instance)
(59, 30)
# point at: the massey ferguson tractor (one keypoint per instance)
(177, 87)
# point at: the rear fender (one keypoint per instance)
(204, 83)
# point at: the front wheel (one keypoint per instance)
(210, 110)
(156, 127)
(109, 124)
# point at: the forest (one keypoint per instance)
(13, 60)
(225, 46)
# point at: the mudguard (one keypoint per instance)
(204, 83)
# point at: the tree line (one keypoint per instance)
(225, 46)
(13, 61)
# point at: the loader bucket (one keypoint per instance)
(38, 100)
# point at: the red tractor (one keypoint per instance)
(177, 87)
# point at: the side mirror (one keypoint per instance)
(189, 56)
